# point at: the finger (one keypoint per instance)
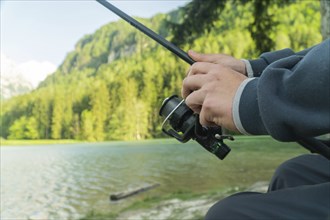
(205, 119)
(195, 100)
(187, 73)
(192, 83)
(199, 57)
(200, 68)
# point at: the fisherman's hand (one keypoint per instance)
(209, 90)
(226, 60)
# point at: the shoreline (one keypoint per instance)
(8, 143)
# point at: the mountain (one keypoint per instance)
(20, 78)
(13, 86)
(12, 81)
(111, 86)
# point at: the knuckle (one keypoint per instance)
(194, 66)
(188, 100)
(209, 87)
(208, 105)
(204, 118)
(202, 121)
(185, 82)
(216, 71)
(222, 65)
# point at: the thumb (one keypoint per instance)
(199, 57)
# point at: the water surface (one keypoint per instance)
(67, 181)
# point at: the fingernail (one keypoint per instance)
(192, 52)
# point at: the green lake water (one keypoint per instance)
(69, 180)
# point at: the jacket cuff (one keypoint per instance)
(265, 59)
(248, 68)
(258, 66)
(246, 114)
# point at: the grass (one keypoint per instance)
(99, 216)
(146, 203)
(154, 202)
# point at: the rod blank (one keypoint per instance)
(168, 45)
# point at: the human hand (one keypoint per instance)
(209, 90)
(226, 60)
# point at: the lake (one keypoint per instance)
(69, 180)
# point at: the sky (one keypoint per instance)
(36, 35)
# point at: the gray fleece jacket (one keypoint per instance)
(287, 95)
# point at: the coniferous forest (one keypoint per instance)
(112, 85)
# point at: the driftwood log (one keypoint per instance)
(123, 195)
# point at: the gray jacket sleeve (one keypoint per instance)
(258, 65)
(291, 98)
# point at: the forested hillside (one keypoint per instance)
(112, 85)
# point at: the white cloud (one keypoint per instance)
(35, 71)
(32, 71)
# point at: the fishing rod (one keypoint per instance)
(158, 38)
(174, 110)
(171, 104)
